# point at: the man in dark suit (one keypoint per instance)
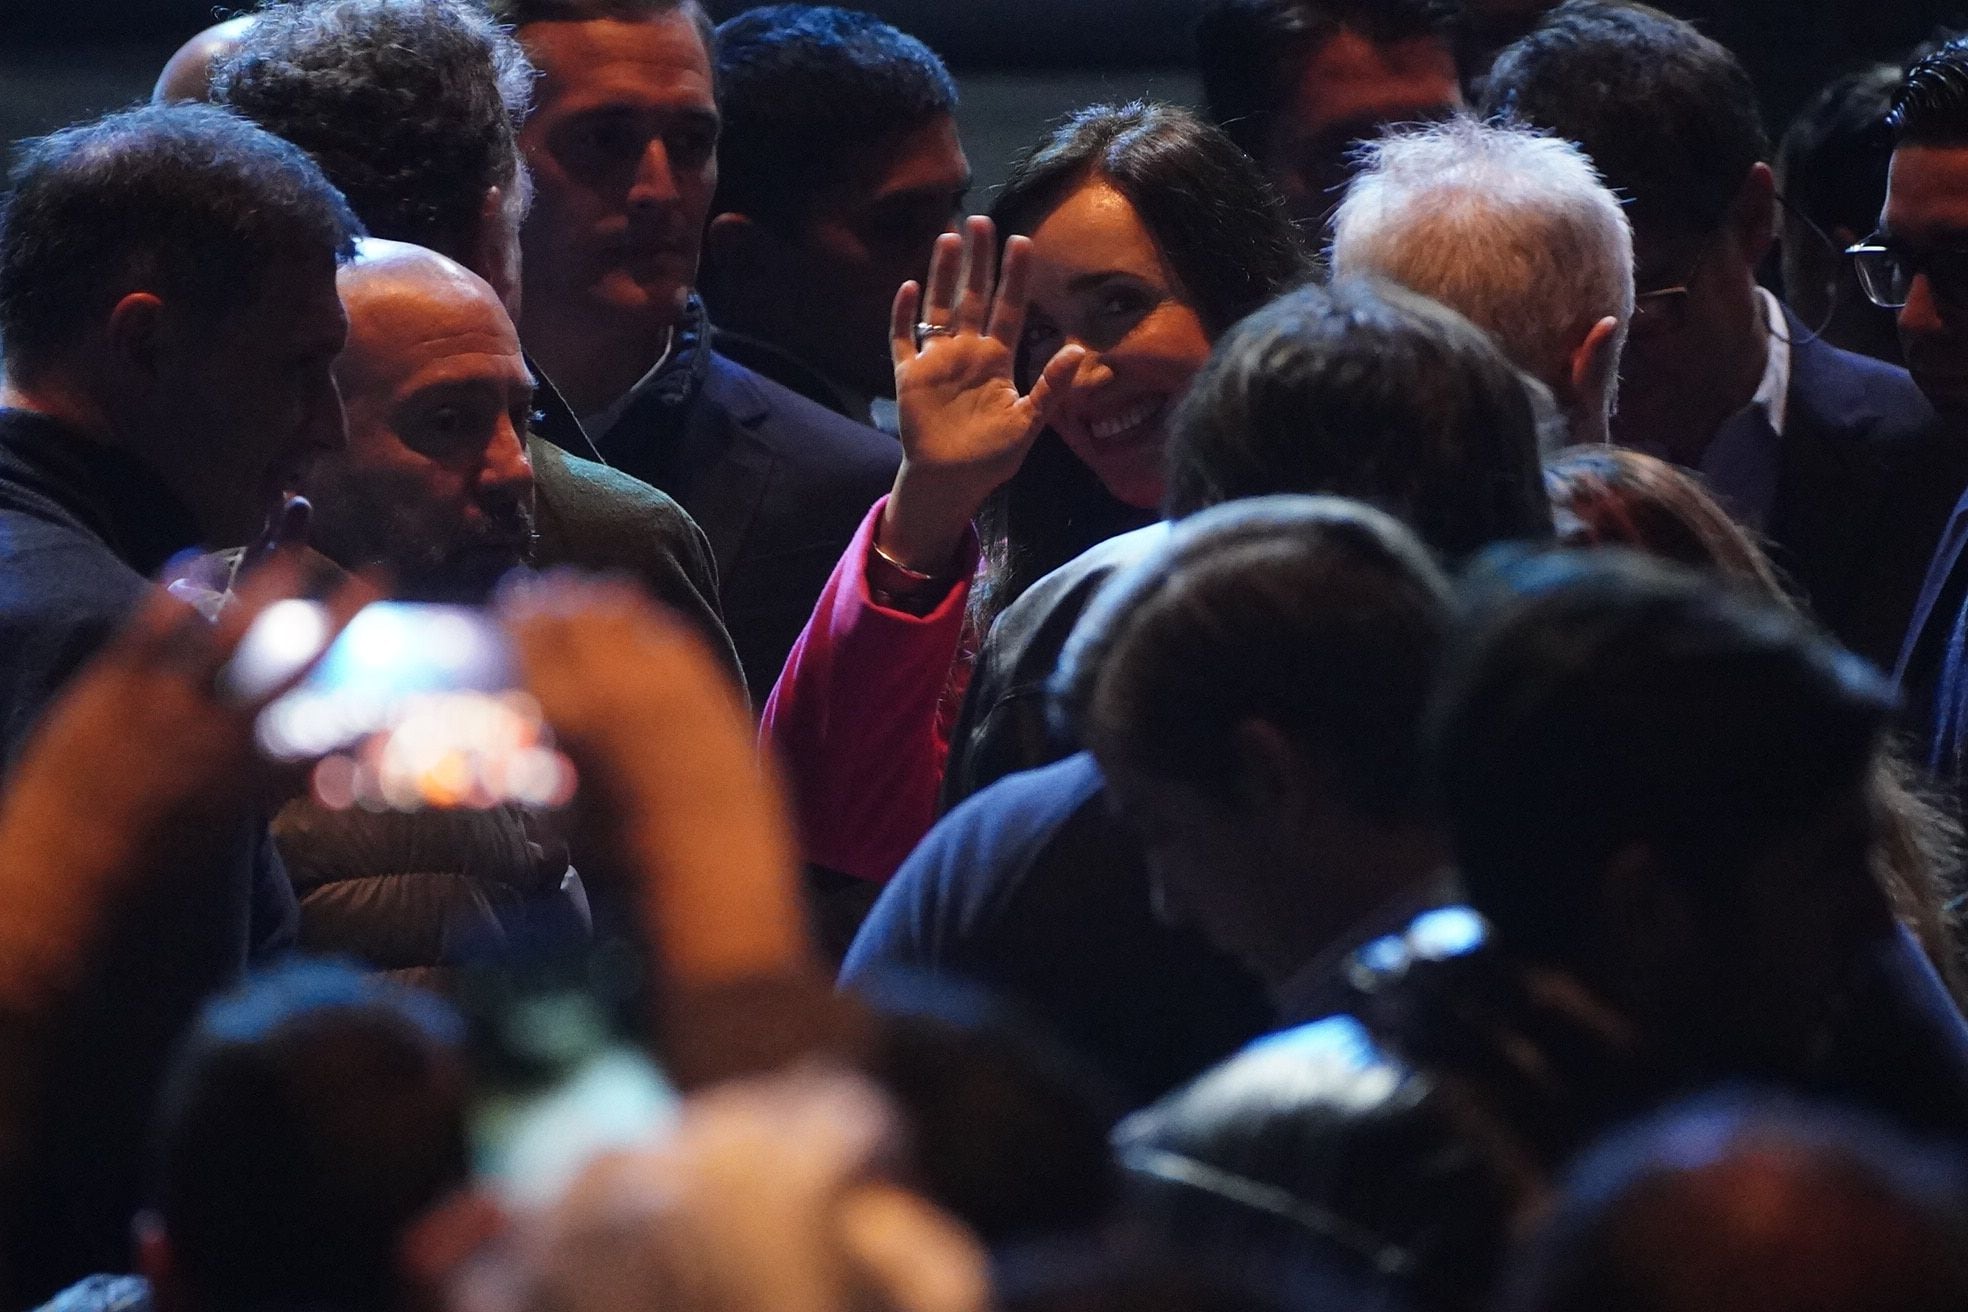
(1918, 264)
(1835, 459)
(838, 168)
(623, 149)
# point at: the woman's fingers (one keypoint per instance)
(1053, 382)
(980, 275)
(1008, 309)
(902, 323)
(945, 271)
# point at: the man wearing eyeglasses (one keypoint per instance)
(1917, 264)
(1833, 458)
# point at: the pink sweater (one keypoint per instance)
(857, 716)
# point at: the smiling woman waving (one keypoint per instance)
(1033, 405)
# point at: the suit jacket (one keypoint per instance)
(1932, 673)
(1865, 481)
(777, 483)
(592, 517)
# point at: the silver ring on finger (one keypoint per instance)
(933, 330)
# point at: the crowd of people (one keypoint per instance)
(1354, 699)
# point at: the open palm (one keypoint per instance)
(956, 389)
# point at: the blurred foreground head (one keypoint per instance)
(312, 1117)
(1730, 1203)
(774, 1194)
(1660, 785)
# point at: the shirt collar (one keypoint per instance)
(1773, 393)
(597, 425)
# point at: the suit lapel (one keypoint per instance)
(1830, 487)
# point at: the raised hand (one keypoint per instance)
(148, 738)
(965, 425)
(669, 772)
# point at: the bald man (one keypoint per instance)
(435, 486)
(188, 73)
(435, 483)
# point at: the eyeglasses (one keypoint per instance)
(1886, 272)
(1659, 311)
(1664, 310)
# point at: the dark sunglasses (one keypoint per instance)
(1886, 272)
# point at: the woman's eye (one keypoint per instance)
(1121, 303)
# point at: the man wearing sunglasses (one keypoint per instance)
(1831, 457)
(1917, 265)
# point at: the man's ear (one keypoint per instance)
(1274, 774)
(137, 334)
(1644, 917)
(1754, 212)
(156, 1262)
(1594, 364)
(731, 241)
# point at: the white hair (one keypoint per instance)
(1509, 226)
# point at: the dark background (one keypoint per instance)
(1021, 62)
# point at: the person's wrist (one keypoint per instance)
(922, 529)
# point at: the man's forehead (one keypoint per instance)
(1927, 193)
(627, 60)
(926, 159)
(1350, 76)
(408, 305)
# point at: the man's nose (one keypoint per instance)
(655, 181)
(507, 469)
(1921, 315)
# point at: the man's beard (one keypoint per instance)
(465, 567)
(358, 525)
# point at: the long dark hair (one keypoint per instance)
(1231, 246)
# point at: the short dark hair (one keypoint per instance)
(1594, 701)
(1669, 116)
(1320, 616)
(1365, 390)
(516, 14)
(1250, 52)
(309, 1118)
(1224, 233)
(1834, 156)
(189, 201)
(409, 106)
(805, 91)
(1931, 108)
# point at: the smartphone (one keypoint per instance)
(414, 706)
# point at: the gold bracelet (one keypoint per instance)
(911, 578)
